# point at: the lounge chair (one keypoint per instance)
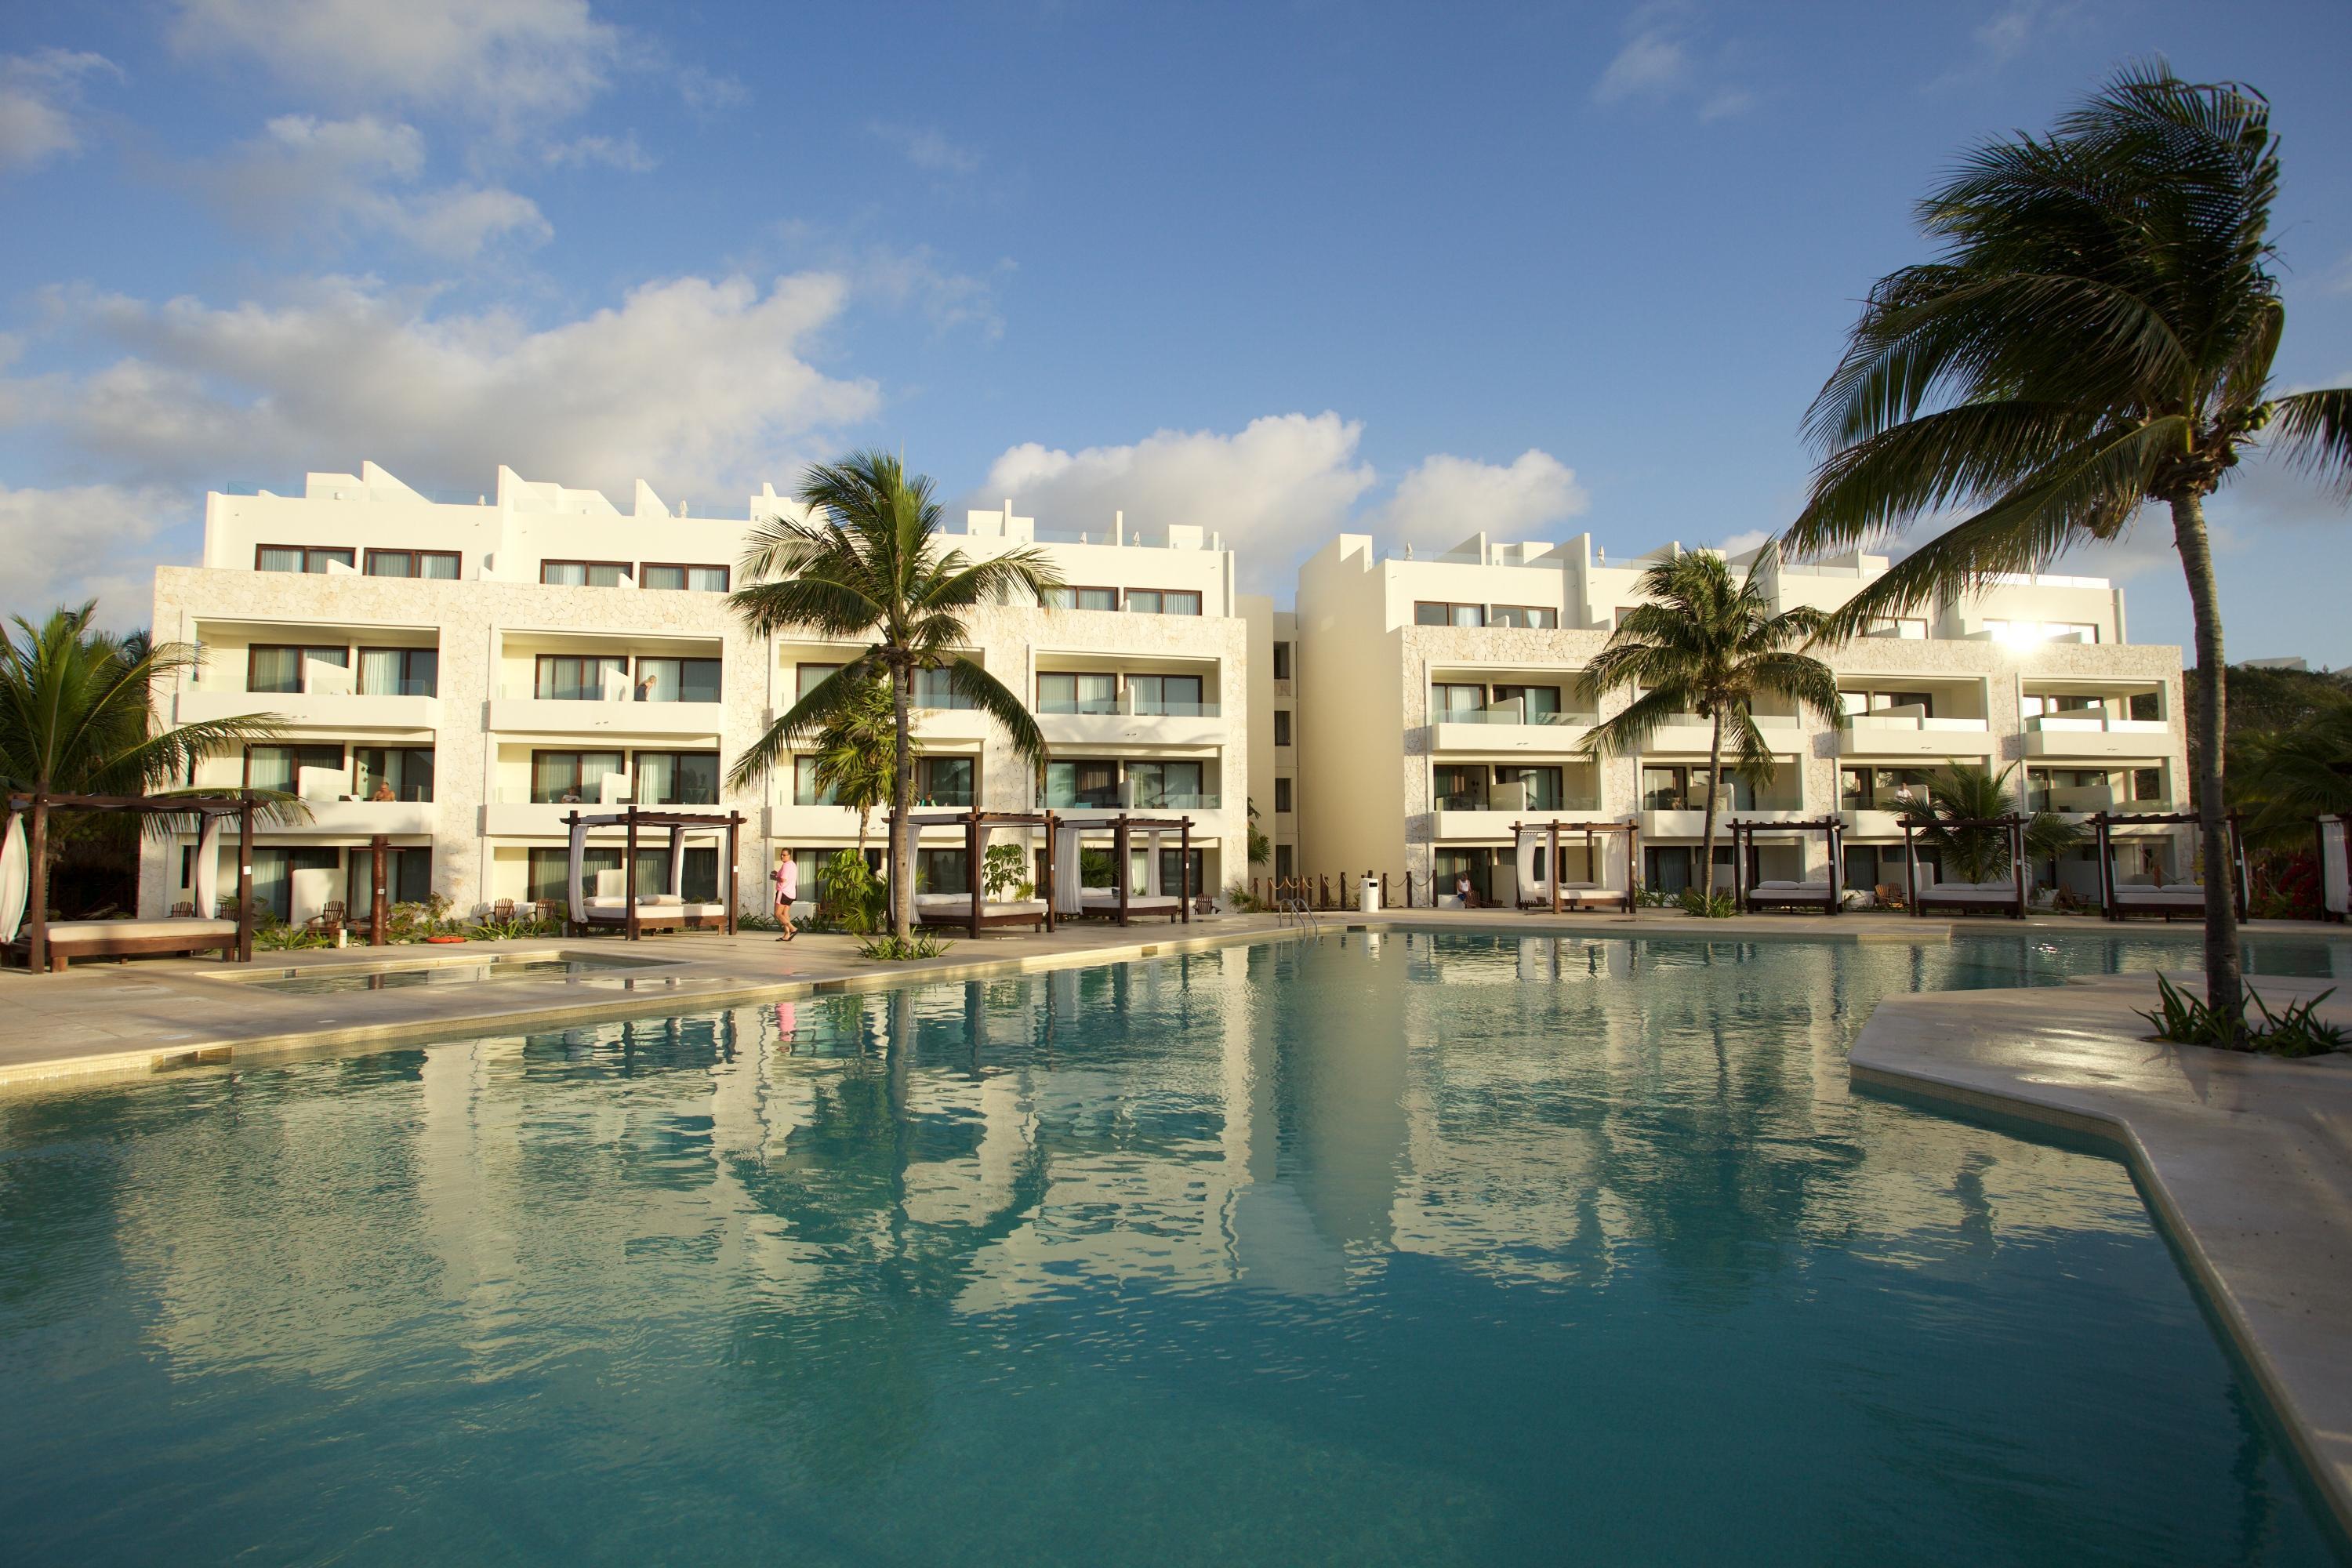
(69, 939)
(503, 910)
(1793, 896)
(2142, 897)
(183, 911)
(1998, 896)
(955, 910)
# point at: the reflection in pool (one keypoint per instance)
(322, 979)
(1404, 1248)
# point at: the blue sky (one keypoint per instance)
(1274, 269)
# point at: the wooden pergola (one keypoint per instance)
(976, 823)
(631, 819)
(34, 807)
(1988, 899)
(1554, 828)
(1122, 829)
(2103, 825)
(1743, 843)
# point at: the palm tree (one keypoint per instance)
(77, 717)
(1964, 793)
(2281, 779)
(855, 755)
(868, 565)
(1703, 644)
(2097, 336)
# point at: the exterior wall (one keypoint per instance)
(1273, 766)
(488, 624)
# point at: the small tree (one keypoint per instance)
(1703, 643)
(855, 754)
(1967, 793)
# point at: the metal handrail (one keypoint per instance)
(1298, 911)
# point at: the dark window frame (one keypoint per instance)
(1164, 595)
(626, 569)
(1118, 686)
(359, 664)
(645, 569)
(636, 788)
(416, 558)
(1282, 801)
(350, 552)
(539, 662)
(1526, 610)
(1282, 728)
(1074, 589)
(302, 663)
(1282, 660)
(1449, 606)
(539, 753)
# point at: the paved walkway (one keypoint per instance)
(2247, 1161)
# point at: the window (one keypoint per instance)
(1665, 789)
(807, 677)
(1538, 704)
(1541, 787)
(1073, 693)
(1282, 662)
(1177, 694)
(1672, 867)
(676, 778)
(1082, 598)
(1907, 629)
(276, 668)
(933, 689)
(1175, 784)
(573, 778)
(943, 781)
(1452, 700)
(678, 680)
(280, 767)
(273, 876)
(577, 676)
(1922, 704)
(2070, 631)
(407, 879)
(1881, 789)
(1093, 784)
(1459, 786)
(2147, 785)
(1282, 726)
(583, 573)
(1537, 616)
(943, 871)
(804, 787)
(691, 579)
(437, 563)
(1435, 614)
(2147, 707)
(405, 771)
(302, 557)
(1282, 861)
(549, 868)
(1282, 794)
(1162, 602)
(399, 671)
(1171, 866)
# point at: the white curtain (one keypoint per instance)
(380, 671)
(207, 894)
(1151, 864)
(1068, 896)
(1530, 839)
(571, 880)
(2334, 866)
(15, 879)
(1616, 871)
(677, 860)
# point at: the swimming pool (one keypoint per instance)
(320, 979)
(1427, 1248)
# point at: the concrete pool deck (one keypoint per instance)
(2246, 1161)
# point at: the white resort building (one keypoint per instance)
(457, 677)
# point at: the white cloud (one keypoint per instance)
(614, 152)
(40, 96)
(1652, 63)
(1665, 58)
(1443, 498)
(496, 60)
(1275, 488)
(927, 150)
(85, 542)
(699, 385)
(1725, 103)
(310, 177)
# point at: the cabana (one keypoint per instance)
(1120, 900)
(2001, 895)
(971, 909)
(1786, 895)
(29, 934)
(617, 903)
(2335, 868)
(1612, 875)
(2122, 897)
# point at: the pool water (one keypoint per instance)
(322, 980)
(1405, 1248)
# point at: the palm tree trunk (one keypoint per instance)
(1714, 782)
(2224, 987)
(902, 791)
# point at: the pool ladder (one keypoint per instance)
(1298, 911)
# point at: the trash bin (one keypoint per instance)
(1367, 894)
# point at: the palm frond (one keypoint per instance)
(967, 679)
(2314, 432)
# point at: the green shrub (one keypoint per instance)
(1723, 906)
(2185, 1020)
(1239, 899)
(889, 948)
(849, 892)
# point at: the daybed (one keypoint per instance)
(1793, 896)
(2141, 897)
(133, 938)
(1105, 902)
(1997, 896)
(955, 909)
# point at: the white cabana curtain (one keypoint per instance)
(1068, 895)
(15, 879)
(206, 893)
(2334, 866)
(1615, 871)
(1531, 840)
(571, 880)
(1151, 864)
(677, 860)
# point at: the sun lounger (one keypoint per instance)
(1793, 896)
(955, 910)
(1105, 902)
(1999, 895)
(70, 940)
(2168, 898)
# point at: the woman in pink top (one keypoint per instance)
(787, 878)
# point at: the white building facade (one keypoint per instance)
(456, 678)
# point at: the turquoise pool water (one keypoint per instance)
(1408, 1249)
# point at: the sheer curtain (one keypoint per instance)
(380, 671)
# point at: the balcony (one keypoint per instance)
(1157, 805)
(1127, 724)
(1503, 730)
(2084, 800)
(1691, 824)
(1486, 822)
(802, 823)
(1914, 735)
(594, 717)
(342, 819)
(311, 709)
(1688, 734)
(1869, 823)
(2094, 736)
